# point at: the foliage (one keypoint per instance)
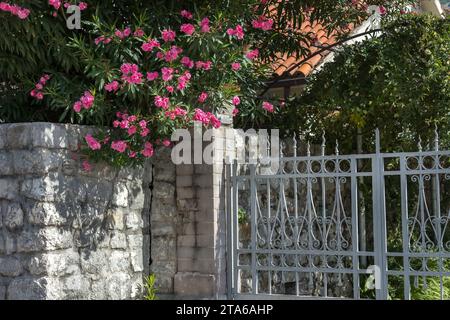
(398, 82)
(149, 287)
(83, 65)
(243, 217)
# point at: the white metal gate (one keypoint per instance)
(326, 226)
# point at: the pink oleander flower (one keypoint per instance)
(77, 106)
(149, 46)
(162, 102)
(124, 124)
(83, 6)
(23, 13)
(152, 75)
(119, 34)
(138, 33)
(168, 35)
(205, 65)
(167, 73)
(166, 142)
(204, 25)
(92, 142)
(187, 62)
(172, 54)
(116, 123)
(235, 112)
(113, 86)
(237, 32)
(119, 146)
(253, 54)
(200, 115)
(187, 28)
(202, 97)
(132, 118)
(127, 32)
(86, 166)
(236, 66)
(170, 89)
(131, 130)
(55, 4)
(383, 10)
(39, 96)
(263, 23)
(160, 55)
(148, 150)
(87, 100)
(186, 14)
(214, 121)
(128, 68)
(132, 154)
(236, 100)
(145, 132)
(39, 86)
(268, 107)
(143, 124)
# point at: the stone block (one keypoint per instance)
(163, 190)
(184, 181)
(75, 287)
(164, 283)
(119, 261)
(118, 240)
(115, 219)
(2, 292)
(134, 221)
(27, 289)
(191, 284)
(137, 260)
(48, 135)
(51, 214)
(196, 265)
(120, 195)
(195, 253)
(185, 193)
(135, 241)
(58, 264)
(95, 262)
(10, 267)
(163, 229)
(184, 170)
(118, 286)
(9, 188)
(163, 248)
(6, 164)
(18, 136)
(13, 216)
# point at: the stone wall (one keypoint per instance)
(66, 233)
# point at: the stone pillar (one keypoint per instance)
(66, 233)
(201, 241)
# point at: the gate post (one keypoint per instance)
(379, 218)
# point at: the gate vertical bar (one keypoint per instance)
(234, 227)
(355, 232)
(379, 217)
(405, 232)
(253, 227)
(230, 247)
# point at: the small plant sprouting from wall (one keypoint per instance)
(149, 288)
(242, 216)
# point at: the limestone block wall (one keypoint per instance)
(66, 233)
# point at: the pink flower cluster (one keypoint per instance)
(162, 102)
(85, 102)
(237, 32)
(122, 34)
(187, 28)
(263, 23)
(205, 65)
(15, 10)
(172, 54)
(131, 74)
(204, 25)
(268, 107)
(102, 39)
(93, 143)
(112, 86)
(177, 112)
(183, 80)
(55, 3)
(206, 118)
(132, 124)
(252, 54)
(186, 14)
(81, 5)
(168, 35)
(37, 91)
(148, 46)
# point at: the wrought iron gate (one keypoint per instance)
(326, 226)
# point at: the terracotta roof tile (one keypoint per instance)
(284, 63)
